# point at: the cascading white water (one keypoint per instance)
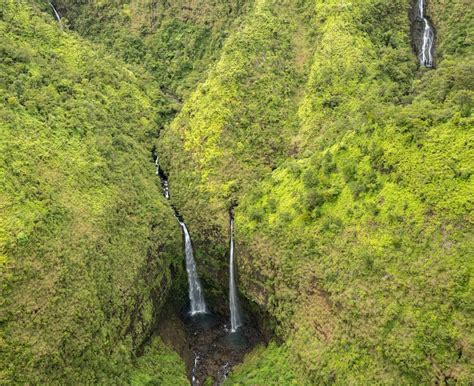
(56, 13)
(164, 181)
(235, 317)
(426, 52)
(196, 296)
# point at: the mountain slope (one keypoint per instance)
(88, 244)
(349, 169)
(359, 238)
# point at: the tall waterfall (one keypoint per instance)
(196, 295)
(56, 13)
(426, 51)
(235, 317)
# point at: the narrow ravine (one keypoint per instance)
(216, 345)
(197, 303)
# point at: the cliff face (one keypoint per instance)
(352, 168)
(350, 165)
(88, 246)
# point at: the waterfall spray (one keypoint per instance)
(235, 317)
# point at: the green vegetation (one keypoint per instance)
(265, 366)
(87, 242)
(159, 365)
(351, 166)
(359, 238)
(175, 41)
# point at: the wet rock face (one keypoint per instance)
(205, 342)
(421, 29)
(215, 348)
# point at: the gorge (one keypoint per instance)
(307, 218)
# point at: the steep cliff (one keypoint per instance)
(352, 169)
(88, 246)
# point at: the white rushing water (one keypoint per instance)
(56, 13)
(196, 296)
(235, 317)
(426, 52)
(194, 380)
(164, 181)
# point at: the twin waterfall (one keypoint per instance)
(235, 317)
(426, 49)
(196, 295)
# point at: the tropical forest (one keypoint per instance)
(236, 192)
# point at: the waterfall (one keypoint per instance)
(196, 296)
(426, 51)
(235, 317)
(56, 14)
(163, 179)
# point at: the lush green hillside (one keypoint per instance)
(175, 41)
(238, 125)
(359, 239)
(87, 243)
(352, 170)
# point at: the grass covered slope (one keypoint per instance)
(87, 243)
(359, 239)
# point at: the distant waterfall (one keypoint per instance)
(55, 12)
(426, 49)
(235, 317)
(196, 295)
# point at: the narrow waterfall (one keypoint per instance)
(55, 12)
(196, 295)
(426, 50)
(163, 179)
(235, 316)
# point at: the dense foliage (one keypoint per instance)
(352, 169)
(175, 41)
(359, 239)
(87, 241)
(159, 365)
